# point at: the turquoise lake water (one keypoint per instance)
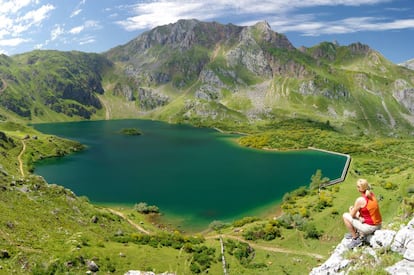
(194, 175)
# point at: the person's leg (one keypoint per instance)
(348, 223)
(366, 229)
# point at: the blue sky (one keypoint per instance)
(98, 25)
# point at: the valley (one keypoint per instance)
(250, 80)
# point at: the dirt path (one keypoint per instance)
(120, 214)
(270, 248)
(107, 108)
(19, 158)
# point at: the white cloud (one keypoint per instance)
(16, 20)
(75, 13)
(92, 24)
(76, 30)
(37, 16)
(309, 27)
(88, 25)
(162, 12)
(13, 6)
(150, 14)
(77, 9)
(12, 42)
(56, 32)
(87, 40)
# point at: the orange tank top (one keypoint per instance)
(371, 212)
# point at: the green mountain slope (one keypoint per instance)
(212, 74)
(252, 74)
(51, 85)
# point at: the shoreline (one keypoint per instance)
(344, 171)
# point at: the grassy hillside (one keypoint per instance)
(46, 229)
(241, 79)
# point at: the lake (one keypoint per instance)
(194, 175)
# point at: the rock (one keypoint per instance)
(10, 225)
(402, 267)
(381, 238)
(92, 266)
(409, 252)
(94, 219)
(149, 99)
(4, 254)
(403, 237)
(401, 242)
(336, 262)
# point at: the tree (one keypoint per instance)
(317, 181)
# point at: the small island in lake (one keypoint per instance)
(131, 131)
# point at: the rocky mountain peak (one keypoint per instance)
(263, 32)
(359, 48)
(263, 25)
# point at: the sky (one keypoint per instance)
(387, 26)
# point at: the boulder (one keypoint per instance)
(381, 238)
(401, 242)
(92, 266)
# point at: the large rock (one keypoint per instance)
(401, 242)
(381, 238)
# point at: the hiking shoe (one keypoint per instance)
(355, 243)
(349, 236)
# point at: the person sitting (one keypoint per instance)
(364, 216)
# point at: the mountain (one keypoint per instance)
(409, 64)
(215, 75)
(44, 84)
(248, 78)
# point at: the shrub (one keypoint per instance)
(217, 225)
(244, 221)
(311, 232)
(267, 232)
(389, 186)
(144, 208)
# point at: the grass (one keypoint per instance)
(47, 229)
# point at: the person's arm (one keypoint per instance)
(354, 210)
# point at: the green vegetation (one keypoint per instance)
(131, 132)
(144, 208)
(78, 232)
(337, 98)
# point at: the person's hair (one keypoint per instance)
(364, 186)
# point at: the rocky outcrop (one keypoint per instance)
(404, 94)
(149, 99)
(401, 241)
(124, 91)
(84, 96)
(311, 88)
(408, 64)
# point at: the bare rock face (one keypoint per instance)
(249, 54)
(404, 94)
(149, 99)
(408, 64)
(401, 242)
